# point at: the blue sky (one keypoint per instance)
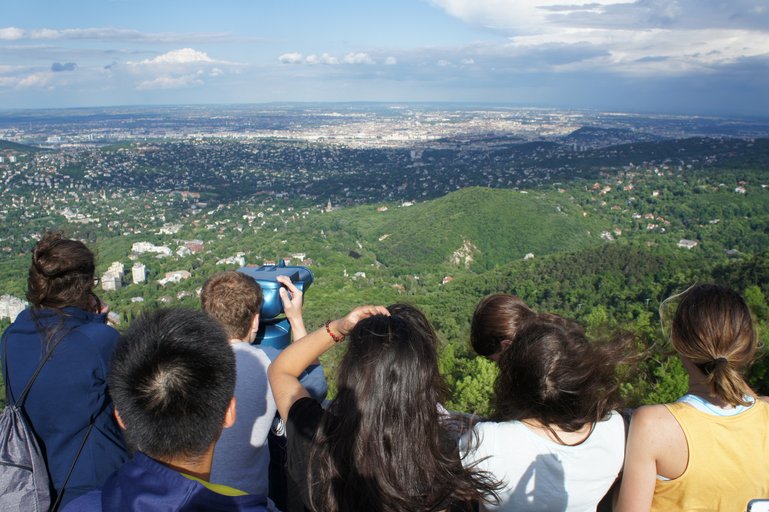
(680, 56)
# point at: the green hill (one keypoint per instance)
(480, 228)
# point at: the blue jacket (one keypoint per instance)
(144, 484)
(69, 393)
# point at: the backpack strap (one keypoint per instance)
(55, 505)
(4, 342)
(23, 397)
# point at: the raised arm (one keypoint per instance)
(285, 370)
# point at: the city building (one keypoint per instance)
(112, 279)
(174, 277)
(138, 273)
(11, 306)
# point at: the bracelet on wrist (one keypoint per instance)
(337, 338)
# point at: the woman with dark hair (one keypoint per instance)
(710, 449)
(556, 442)
(68, 405)
(382, 445)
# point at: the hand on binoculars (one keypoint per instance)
(292, 305)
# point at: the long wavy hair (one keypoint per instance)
(382, 445)
(552, 373)
(713, 329)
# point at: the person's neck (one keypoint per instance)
(558, 435)
(697, 385)
(198, 466)
(703, 391)
(235, 341)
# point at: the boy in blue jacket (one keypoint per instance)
(172, 379)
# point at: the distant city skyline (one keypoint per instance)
(702, 57)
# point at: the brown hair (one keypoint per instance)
(553, 374)
(61, 274)
(232, 299)
(496, 318)
(713, 329)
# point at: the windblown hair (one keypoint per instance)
(232, 299)
(61, 274)
(172, 377)
(553, 374)
(713, 329)
(382, 445)
(496, 318)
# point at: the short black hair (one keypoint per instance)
(172, 377)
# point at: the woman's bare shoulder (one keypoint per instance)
(653, 419)
(651, 413)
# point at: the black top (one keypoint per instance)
(303, 420)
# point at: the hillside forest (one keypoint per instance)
(604, 248)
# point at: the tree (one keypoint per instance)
(756, 301)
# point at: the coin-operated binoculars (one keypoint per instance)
(274, 328)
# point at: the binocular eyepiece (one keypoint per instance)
(275, 330)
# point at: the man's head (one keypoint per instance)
(172, 379)
(233, 299)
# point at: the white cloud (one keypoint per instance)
(391, 61)
(291, 58)
(313, 59)
(329, 59)
(358, 58)
(627, 36)
(110, 34)
(324, 58)
(170, 82)
(444, 63)
(11, 34)
(181, 56)
(468, 62)
(35, 80)
(518, 15)
(175, 69)
(658, 51)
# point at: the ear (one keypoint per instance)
(254, 329)
(505, 344)
(255, 323)
(229, 416)
(119, 419)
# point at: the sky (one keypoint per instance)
(701, 57)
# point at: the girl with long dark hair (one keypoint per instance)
(383, 444)
(68, 405)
